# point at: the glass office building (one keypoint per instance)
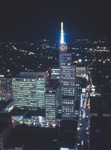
(50, 107)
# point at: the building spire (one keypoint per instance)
(62, 34)
(61, 25)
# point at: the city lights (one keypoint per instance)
(55, 94)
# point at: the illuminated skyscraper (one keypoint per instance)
(51, 101)
(41, 82)
(50, 107)
(67, 80)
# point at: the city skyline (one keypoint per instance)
(65, 107)
(41, 19)
(55, 76)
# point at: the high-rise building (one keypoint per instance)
(29, 90)
(51, 102)
(41, 82)
(50, 107)
(67, 80)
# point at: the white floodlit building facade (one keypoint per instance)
(29, 90)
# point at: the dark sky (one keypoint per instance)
(36, 19)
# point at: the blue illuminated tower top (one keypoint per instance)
(63, 45)
(62, 34)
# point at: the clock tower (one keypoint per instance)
(67, 80)
(63, 45)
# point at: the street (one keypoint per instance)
(84, 123)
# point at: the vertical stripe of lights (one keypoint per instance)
(62, 34)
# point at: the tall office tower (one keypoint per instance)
(50, 107)
(51, 101)
(29, 90)
(5, 88)
(41, 82)
(67, 80)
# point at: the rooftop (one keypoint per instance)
(38, 138)
(100, 104)
(28, 113)
(18, 112)
(39, 112)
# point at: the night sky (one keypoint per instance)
(36, 19)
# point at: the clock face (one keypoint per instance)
(62, 48)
